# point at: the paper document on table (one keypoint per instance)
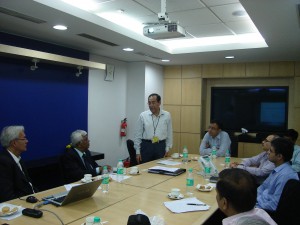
(114, 177)
(186, 205)
(163, 168)
(169, 162)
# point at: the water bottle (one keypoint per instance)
(214, 152)
(207, 168)
(97, 220)
(185, 153)
(120, 171)
(105, 180)
(190, 182)
(227, 158)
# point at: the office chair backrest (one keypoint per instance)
(132, 153)
(288, 210)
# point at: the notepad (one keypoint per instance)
(186, 205)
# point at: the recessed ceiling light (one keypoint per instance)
(60, 27)
(128, 49)
(229, 57)
(165, 60)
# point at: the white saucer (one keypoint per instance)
(134, 174)
(204, 188)
(84, 181)
(181, 196)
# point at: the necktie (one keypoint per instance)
(86, 162)
(26, 175)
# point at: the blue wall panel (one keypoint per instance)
(50, 102)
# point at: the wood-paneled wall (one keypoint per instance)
(185, 94)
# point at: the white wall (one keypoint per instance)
(110, 102)
(135, 95)
(154, 82)
(106, 109)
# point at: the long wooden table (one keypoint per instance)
(146, 191)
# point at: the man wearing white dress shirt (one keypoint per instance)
(154, 134)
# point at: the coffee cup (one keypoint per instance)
(87, 177)
(134, 170)
(175, 192)
(175, 155)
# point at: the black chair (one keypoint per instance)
(288, 212)
(132, 153)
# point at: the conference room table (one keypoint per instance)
(146, 192)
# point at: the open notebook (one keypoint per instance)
(76, 193)
(166, 170)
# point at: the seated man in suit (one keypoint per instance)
(14, 179)
(258, 165)
(293, 135)
(280, 153)
(215, 136)
(236, 198)
(76, 160)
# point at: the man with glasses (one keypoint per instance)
(215, 137)
(258, 165)
(14, 179)
(280, 153)
(154, 133)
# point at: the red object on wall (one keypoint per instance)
(123, 128)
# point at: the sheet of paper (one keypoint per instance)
(13, 216)
(114, 177)
(181, 206)
(163, 168)
(169, 162)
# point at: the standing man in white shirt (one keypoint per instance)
(215, 136)
(154, 134)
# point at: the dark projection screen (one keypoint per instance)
(258, 109)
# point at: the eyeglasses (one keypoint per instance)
(21, 139)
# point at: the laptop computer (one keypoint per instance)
(76, 193)
(166, 170)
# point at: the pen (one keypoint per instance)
(196, 204)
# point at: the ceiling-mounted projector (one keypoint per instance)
(164, 31)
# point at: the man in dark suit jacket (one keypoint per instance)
(76, 160)
(14, 179)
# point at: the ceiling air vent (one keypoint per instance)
(144, 54)
(20, 15)
(97, 39)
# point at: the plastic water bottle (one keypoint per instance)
(227, 159)
(97, 220)
(190, 182)
(214, 152)
(120, 171)
(207, 168)
(105, 180)
(185, 153)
